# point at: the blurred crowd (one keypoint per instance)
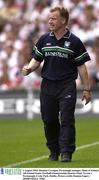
(22, 22)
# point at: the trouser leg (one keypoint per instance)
(67, 127)
(50, 117)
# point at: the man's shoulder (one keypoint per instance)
(75, 37)
(44, 36)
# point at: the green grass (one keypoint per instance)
(24, 140)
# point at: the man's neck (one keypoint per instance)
(60, 33)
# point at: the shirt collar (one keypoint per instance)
(66, 35)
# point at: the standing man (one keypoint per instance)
(64, 56)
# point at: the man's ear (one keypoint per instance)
(63, 21)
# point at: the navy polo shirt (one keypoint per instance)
(61, 57)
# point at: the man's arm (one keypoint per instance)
(32, 66)
(85, 80)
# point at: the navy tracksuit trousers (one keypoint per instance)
(58, 99)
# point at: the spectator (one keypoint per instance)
(95, 70)
(23, 22)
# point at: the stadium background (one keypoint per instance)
(22, 22)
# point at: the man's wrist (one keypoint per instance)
(88, 90)
(29, 70)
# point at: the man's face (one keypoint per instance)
(55, 21)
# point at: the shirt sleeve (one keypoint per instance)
(81, 54)
(37, 51)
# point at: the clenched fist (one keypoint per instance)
(26, 70)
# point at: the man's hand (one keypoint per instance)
(32, 66)
(86, 96)
(26, 70)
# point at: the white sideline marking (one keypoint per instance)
(87, 145)
(27, 161)
(46, 156)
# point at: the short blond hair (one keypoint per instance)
(63, 12)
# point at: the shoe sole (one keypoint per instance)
(52, 159)
(66, 160)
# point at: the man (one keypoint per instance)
(64, 56)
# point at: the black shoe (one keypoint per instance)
(53, 157)
(66, 157)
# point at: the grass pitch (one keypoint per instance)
(23, 145)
